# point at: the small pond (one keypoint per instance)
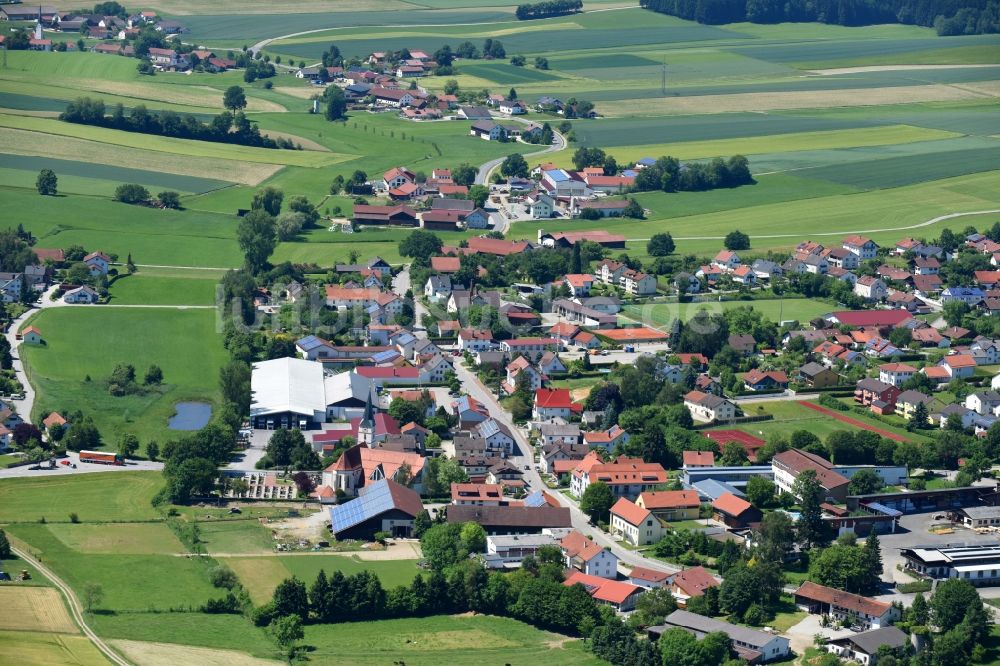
(190, 416)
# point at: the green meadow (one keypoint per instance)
(184, 343)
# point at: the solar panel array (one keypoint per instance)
(535, 499)
(375, 499)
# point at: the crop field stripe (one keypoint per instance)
(170, 144)
(108, 172)
(34, 609)
(908, 169)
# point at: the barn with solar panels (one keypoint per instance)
(384, 506)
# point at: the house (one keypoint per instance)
(896, 373)
(735, 511)
(495, 435)
(871, 288)
(869, 391)
(585, 556)
(85, 294)
(960, 366)
(606, 439)
(559, 447)
(706, 407)
(438, 288)
(470, 411)
(384, 506)
(750, 644)
(511, 519)
(540, 205)
(670, 505)
(697, 459)
(478, 494)
(689, 583)
(983, 402)
(513, 549)
(550, 363)
(863, 248)
(864, 647)
(626, 477)
(970, 295)
(579, 284)
(168, 59)
(446, 264)
(620, 596)
(32, 336)
(560, 183)
(512, 107)
(552, 403)
(633, 524)
(391, 97)
(766, 270)
(765, 380)
(853, 609)
(907, 401)
(727, 260)
(473, 112)
(637, 283)
(931, 266)
(818, 376)
(475, 340)
(744, 275)
(98, 263)
(789, 464)
(488, 130)
(532, 348)
(744, 344)
(648, 578)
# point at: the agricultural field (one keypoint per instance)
(67, 380)
(36, 648)
(35, 609)
(460, 640)
(125, 496)
(661, 314)
(165, 286)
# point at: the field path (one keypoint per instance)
(74, 608)
(890, 68)
(854, 422)
(264, 42)
(927, 223)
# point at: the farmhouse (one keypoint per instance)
(385, 215)
(852, 608)
(385, 506)
(750, 644)
(511, 519)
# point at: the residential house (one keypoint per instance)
(670, 505)
(697, 459)
(438, 288)
(865, 647)
(475, 340)
(620, 596)
(727, 260)
(606, 439)
(853, 609)
(634, 525)
(750, 644)
(959, 366)
(551, 404)
(478, 494)
(818, 376)
(871, 288)
(706, 407)
(690, 583)
(583, 555)
(896, 374)
(85, 294)
(98, 263)
(626, 477)
(907, 401)
(550, 363)
(864, 248)
(765, 380)
(743, 343)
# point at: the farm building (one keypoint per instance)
(384, 506)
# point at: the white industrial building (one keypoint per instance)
(297, 393)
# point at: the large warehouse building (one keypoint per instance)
(296, 393)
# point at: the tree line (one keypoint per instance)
(948, 17)
(230, 126)
(539, 10)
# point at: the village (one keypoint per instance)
(403, 347)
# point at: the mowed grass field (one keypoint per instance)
(184, 343)
(661, 314)
(459, 640)
(165, 286)
(120, 539)
(123, 496)
(260, 575)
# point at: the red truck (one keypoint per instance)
(101, 458)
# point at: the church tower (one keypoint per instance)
(38, 25)
(366, 429)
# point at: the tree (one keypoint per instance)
(268, 199)
(760, 492)
(128, 445)
(154, 375)
(479, 194)
(473, 537)
(290, 598)
(811, 529)
(82, 435)
(234, 99)
(679, 647)
(633, 209)
(919, 614)
(4, 546)
(597, 501)
(733, 455)
(736, 240)
(287, 630)
(257, 237)
(865, 482)
(152, 450)
(842, 567)
(131, 193)
(420, 245)
(169, 199)
(47, 182)
(951, 601)
(442, 545)
(189, 478)
(514, 166)
(336, 103)
(541, 62)
(872, 560)
(739, 590)
(660, 245)
(464, 174)
(93, 595)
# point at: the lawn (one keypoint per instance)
(458, 640)
(184, 343)
(661, 314)
(260, 575)
(229, 632)
(125, 496)
(118, 539)
(236, 536)
(154, 286)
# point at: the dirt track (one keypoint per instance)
(854, 422)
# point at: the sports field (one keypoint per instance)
(184, 343)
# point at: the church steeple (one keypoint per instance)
(366, 429)
(38, 25)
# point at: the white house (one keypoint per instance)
(864, 248)
(584, 555)
(871, 288)
(85, 294)
(98, 262)
(633, 524)
(707, 407)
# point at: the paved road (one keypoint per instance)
(81, 468)
(24, 407)
(558, 143)
(75, 608)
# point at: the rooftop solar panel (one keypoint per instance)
(373, 500)
(535, 499)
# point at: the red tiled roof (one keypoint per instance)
(670, 499)
(855, 602)
(872, 317)
(960, 361)
(730, 504)
(577, 545)
(553, 398)
(694, 581)
(699, 458)
(650, 575)
(630, 512)
(603, 589)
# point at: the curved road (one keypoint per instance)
(74, 608)
(558, 143)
